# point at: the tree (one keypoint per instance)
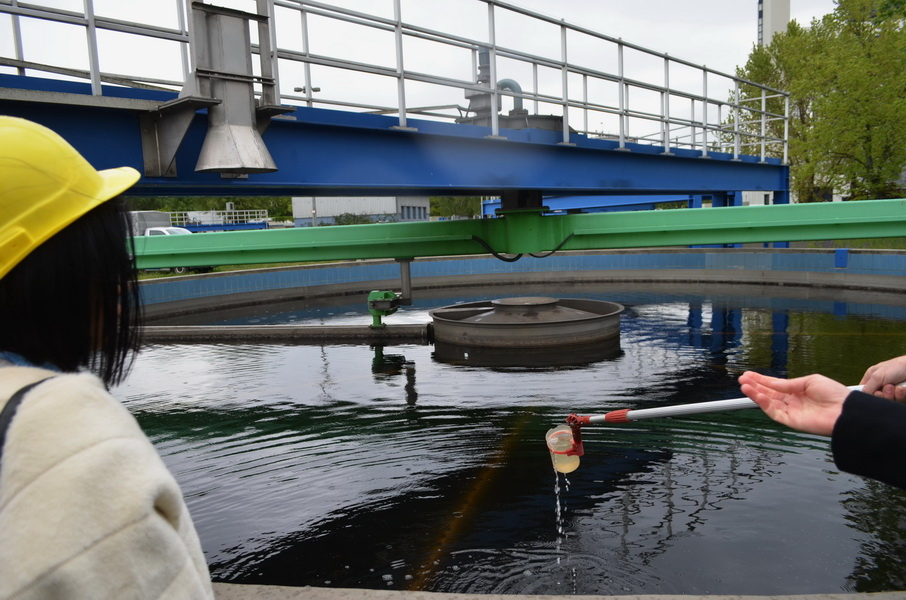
(352, 219)
(277, 207)
(784, 65)
(846, 75)
(863, 124)
(455, 206)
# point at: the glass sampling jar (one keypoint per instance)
(562, 446)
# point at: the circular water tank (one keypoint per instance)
(527, 322)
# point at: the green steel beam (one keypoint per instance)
(530, 232)
(780, 223)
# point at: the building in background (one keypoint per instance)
(773, 17)
(324, 210)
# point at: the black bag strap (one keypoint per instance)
(9, 411)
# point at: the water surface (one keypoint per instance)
(352, 466)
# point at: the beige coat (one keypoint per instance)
(87, 507)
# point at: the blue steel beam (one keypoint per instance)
(589, 204)
(326, 152)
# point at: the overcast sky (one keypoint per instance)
(716, 33)
(719, 34)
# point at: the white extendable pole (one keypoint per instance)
(673, 411)
(628, 415)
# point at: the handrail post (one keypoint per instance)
(786, 129)
(665, 107)
(17, 40)
(564, 69)
(736, 121)
(267, 50)
(694, 129)
(181, 12)
(492, 67)
(764, 124)
(92, 39)
(623, 96)
(400, 70)
(535, 85)
(306, 52)
(706, 129)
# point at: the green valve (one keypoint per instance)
(382, 304)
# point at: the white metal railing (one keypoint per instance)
(217, 217)
(396, 64)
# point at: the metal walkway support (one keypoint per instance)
(531, 233)
(328, 152)
(223, 82)
(684, 106)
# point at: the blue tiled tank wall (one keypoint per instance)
(854, 263)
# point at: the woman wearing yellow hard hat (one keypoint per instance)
(87, 507)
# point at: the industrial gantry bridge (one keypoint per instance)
(296, 97)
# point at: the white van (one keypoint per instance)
(176, 231)
(166, 231)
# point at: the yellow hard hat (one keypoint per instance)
(45, 185)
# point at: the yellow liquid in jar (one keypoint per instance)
(565, 463)
(560, 439)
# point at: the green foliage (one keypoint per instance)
(352, 219)
(863, 244)
(455, 206)
(671, 205)
(846, 75)
(278, 207)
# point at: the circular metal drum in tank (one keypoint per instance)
(527, 322)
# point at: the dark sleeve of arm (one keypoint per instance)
(869, 439)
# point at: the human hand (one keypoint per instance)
(811, 404)
(882, 379)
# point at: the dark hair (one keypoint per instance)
(74, 301)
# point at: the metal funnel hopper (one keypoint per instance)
(223, 70)
(234, 149)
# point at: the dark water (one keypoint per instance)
(350, 466)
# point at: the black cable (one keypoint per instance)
(492, 251)
(554, 250)
(516, 257)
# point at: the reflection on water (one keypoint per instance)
(350, 466)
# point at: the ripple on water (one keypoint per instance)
(540, 570)
(343, 466)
